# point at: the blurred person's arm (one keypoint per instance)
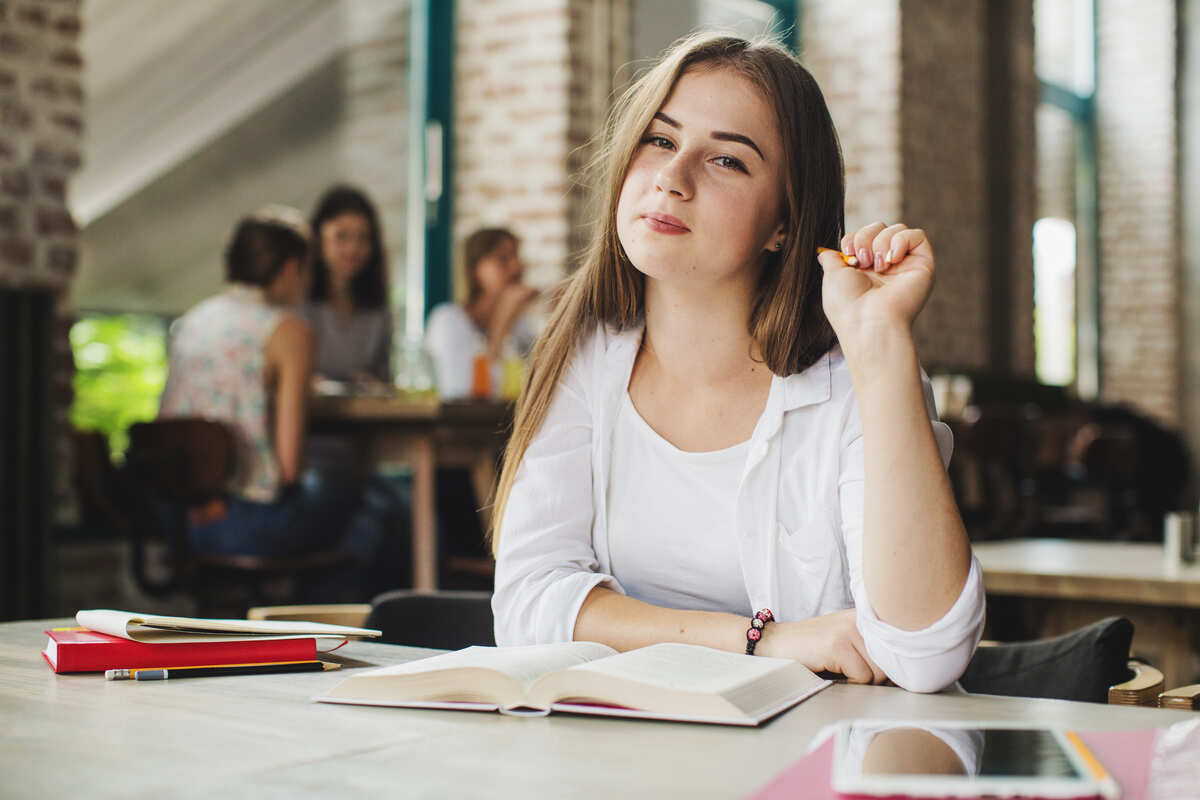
(381, 362)
(514, 301)
(289, 352)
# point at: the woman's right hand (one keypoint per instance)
(514, 300)
(830, 643)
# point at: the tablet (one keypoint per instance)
(877, 758)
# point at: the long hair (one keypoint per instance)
(786, 318)
(368, 287)
(478, 246)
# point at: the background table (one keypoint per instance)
(423, 436)
(261, 736)
(1076, 582)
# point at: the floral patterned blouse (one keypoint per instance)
(217, 370)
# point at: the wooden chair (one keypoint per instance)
(1091, 664)
(1185, 698)
(179, 464)
(96, 482)
(1142, 688)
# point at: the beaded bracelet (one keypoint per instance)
(755, 631)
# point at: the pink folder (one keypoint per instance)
(1126, 754)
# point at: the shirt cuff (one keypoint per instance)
(550, 619)
(932, 658)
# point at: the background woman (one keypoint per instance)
(492, 318)
(242, 358)
(716, 422)
(347, 302)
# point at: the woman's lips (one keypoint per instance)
(664, 223)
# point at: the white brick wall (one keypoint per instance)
(1138, 163)
(862, 88)
(511, 126)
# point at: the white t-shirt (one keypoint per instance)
(672, 534)
(798, 514)
(453, 340)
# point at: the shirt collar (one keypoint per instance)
(813, 385)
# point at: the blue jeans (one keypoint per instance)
(321, 512)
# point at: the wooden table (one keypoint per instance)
(1080, 581)
(423, 436)
(260, 736)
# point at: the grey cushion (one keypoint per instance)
(1080, 665)
(449, 620)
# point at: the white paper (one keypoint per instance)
(153, 628)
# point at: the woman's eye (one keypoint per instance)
(657, 141)
(729, 162)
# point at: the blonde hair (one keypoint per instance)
(786, 320)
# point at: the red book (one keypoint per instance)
(81, 650)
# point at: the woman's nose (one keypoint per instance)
(674, 178)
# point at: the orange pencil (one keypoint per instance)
(851, 261)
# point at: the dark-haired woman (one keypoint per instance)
(240, 357)
(347, 301)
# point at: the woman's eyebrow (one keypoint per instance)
(725, 136)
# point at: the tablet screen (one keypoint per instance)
(947, 758)
(1022, 751)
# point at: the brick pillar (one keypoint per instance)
(910, 110)
(1138, 163)
(524, 116)
(511, 140)
(41, 129)
(41, 125)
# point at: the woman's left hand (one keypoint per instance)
(886, 290)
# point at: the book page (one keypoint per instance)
(522, 664)
(686, 668)
(163, 629)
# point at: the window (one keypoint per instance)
(120, 371)
(1066, 290)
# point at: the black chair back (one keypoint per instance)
(447, 620)
(1080, 665)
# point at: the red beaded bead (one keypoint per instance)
(757, 623)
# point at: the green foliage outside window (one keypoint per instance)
(120, 371)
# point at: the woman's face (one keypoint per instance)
(345, 245)
(499, 268)
(702, 198)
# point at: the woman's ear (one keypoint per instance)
(778, 239)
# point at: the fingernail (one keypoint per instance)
(893, 256)
(879, 262)
(848, 249)
(864, 257)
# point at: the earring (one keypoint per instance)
(779, 245)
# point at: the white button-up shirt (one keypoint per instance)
(799, 514)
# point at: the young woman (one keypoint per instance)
(492, 318)
(347, 306)
(719, 422)
(240, 357)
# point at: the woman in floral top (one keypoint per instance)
(241, 358)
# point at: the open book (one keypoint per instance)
(664, 681)
(158, 629)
